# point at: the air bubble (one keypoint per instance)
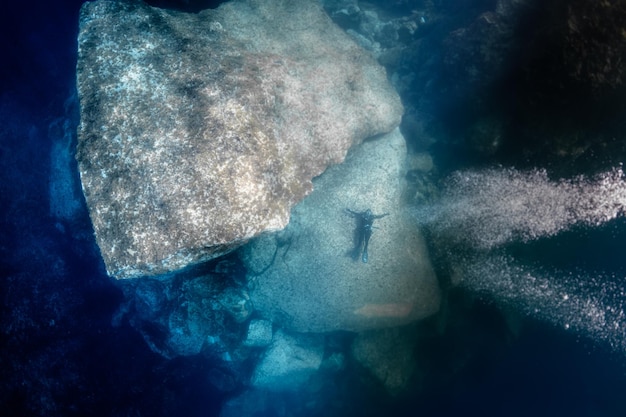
(489, 208)
(484, 211)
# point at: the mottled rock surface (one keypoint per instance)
(259, 333)
(305, 277)
(289, 362)
(198, 311)
(200, 131)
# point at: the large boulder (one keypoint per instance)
(200, 131)
(306, 278)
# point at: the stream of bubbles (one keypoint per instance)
(483, 212)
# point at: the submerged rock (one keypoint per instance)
(253, 403)
(289, 362)
(306, 278)
(201, 131)
(189, 314)
(388, 354)
(259, 333)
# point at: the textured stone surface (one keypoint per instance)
(388, 354)
(194, 312)
(289, 362)
(259, 333)
(305, 279)
(200, 131)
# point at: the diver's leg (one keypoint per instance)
(358, 246)
(366, 240)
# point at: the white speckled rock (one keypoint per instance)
(201, 131)
(259, 333)
(305, 279)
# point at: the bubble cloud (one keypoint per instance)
(589, 304)
(484, 212)
(493, 207)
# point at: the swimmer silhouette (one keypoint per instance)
(363, 232)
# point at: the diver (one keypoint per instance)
(363, 232)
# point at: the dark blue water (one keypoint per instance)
(60, 355)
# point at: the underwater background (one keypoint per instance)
(523, 120)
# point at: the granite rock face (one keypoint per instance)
(201, 131)
(306, 279)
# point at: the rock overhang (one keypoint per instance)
(200, 131)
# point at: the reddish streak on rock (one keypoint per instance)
(385, 310)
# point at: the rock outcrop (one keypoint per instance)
(202, 311)
(306, 279)
(289, 362)
(388, 354)
(259, 333)
(201, 131)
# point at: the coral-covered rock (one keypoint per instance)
(201, 131)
